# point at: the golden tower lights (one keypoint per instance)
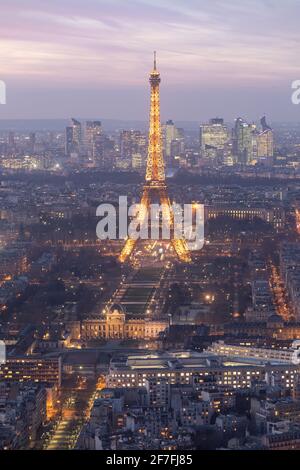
(155, 176)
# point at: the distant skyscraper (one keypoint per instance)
(11, 140)
(173, 142)
(213, 137)
(77, 133)
(32, 141)
(132, 142)
(137, 161)
(93, 140)
(228, 158)
(265, 140)
(169, 134)
(68, 140)
(245, 141)
(73, 141)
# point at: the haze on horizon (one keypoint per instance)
(92, 58)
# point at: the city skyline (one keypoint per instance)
(149, 262)
(93, 62)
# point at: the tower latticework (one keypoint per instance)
(155, 183)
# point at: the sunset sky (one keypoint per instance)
(91, 58)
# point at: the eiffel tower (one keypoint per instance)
(155, 181)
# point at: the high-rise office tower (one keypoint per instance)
(93, 140)
(173, 142)
(132, 142)
(126, 144)
(68, 140)
(137, 161)
(11, 140)
(213, 137)
(73, 140)
(244, 141)
(169, 134)
(265, 140)
(141, 146)
(77, 134)
(32, 141)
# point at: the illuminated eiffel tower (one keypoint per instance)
(155, 184)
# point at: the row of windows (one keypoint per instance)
(118, 328)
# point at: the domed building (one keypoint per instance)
(116, 324)
(116, 313)
(115, 319)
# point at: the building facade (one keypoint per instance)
(115, 324)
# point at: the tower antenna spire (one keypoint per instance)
(154, 60)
